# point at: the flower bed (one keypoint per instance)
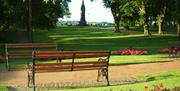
(132, 52)
(170, 50)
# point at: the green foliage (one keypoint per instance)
(45, 14)
(177, 11)
(48, 12)
(129, 14)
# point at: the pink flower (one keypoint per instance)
(131, 52)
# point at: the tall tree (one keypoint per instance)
(44, 13)
(29, 24)
(148, 10)
(162, 15)
(115, 6)
(177, 16)
(144, 11)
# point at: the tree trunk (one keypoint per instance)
(161, 25)
(117, 21)
(145, 18)
(146, 30)
(161, 17)
(29, 24)
(116, 15)
(178, 29)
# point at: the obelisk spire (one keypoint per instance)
(83, 19)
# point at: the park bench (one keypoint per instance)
(175, 46)
(101, 64)
(24, 50)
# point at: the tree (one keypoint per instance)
(129, 15)
(145, 16)
(177, 16)
(116, 8)
(162, 15)
(44, 13)
(48, 12)
(148, 10)
(3, 15)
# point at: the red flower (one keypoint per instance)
(146, 87)
(161, 85)
(166, 50)
(158, 88)
(121, 90)
(131, 52)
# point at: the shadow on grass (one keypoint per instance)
(160, 77)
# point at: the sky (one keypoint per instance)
(95, 11)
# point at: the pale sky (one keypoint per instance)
(95, 11)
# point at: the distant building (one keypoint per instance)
(83, 19)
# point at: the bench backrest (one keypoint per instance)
(69, 66)
(69, 54)
(174, 44)
(24, 50)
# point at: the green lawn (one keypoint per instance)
(90, 38)
(99, 38)
(3, 88)
(169, 79)
(114, 60)
(169, 83)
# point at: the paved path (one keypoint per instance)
(19, 78)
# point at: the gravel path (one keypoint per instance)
(19, 78)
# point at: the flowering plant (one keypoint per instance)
(170, 50)
(132, 52)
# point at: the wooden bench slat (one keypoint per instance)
(81, 69)
(22, 57)
(91, 62)
(30, 45)
(24, 50)
(68, 54)
(53, 64)
(69, 63)
(89, 55)
(53, 57)
(67, 68)
(55, 70)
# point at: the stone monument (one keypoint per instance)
(83, 19)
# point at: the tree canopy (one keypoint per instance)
(45, 13)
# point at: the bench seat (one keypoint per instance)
(101, 64)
